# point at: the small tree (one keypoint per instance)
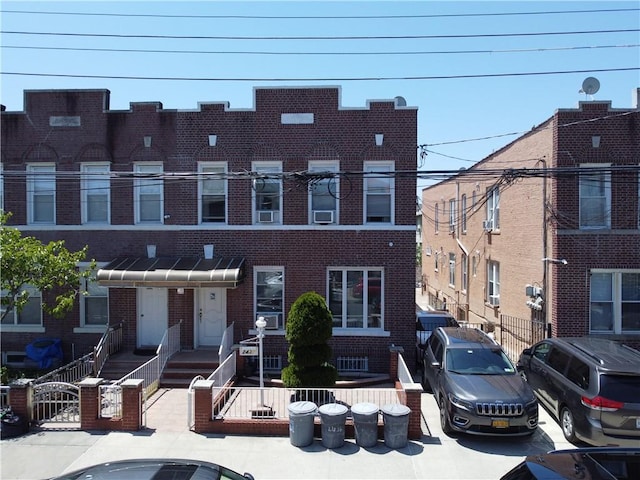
(26, 261)
(309, 328)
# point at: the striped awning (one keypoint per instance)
(190, 272)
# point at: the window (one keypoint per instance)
(95, 193)
(356, 298)
(149, 193)
(41, 193)
(269, 295)
(378, 192)
(464, 271)
(436, 260)
(493, 207)
(437, 217)
(463, 214)
(452, 215)
(323, 193)
(493, 283)
(31, 314)
(615, 301)
(94, 306)
(213, 192)
(267, 191)
(452, 268)
(558, 360)
(474, 266)
(595, 197)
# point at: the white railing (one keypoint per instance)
(70, 373)
(225, 371)
(110, 401)
(169, 345)
(110, 343)
(190, 405)
(226, 344)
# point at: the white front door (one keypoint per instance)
(152, 315)
(211, 315)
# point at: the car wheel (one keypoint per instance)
(567, 424)
(444, 418)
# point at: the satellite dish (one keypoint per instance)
(590, 86)
(400, 101)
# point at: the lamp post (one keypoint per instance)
(260, 326)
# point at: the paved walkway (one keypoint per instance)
(167, 410)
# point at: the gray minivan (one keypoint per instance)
(591, 385)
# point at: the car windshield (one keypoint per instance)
(478, 361)
(623, 388)
(429, 323)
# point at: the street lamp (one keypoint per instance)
(261, 324)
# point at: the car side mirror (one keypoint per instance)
(527, 351)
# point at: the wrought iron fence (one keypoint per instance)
(110, 343)
(56, 402)
(515, 334)
(70, 373)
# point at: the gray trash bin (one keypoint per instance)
(365, 423)
(396, 424)
(333, 416)
(301, 415)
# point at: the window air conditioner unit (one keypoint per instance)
(323, 216)
(487, 225)
(265, 216)
(272, 321)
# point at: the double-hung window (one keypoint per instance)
(615, 301)
(267, 192)
(323, 192)
(356, 298)
(94, 305)
(378, 192)
(41, 193)
(452, 268)
(269, 296)
(452, 215)
(31, 314)
(595, 196)
(493, 283)
(149, 193)
(464, 272)
(493, 208)
(463, 214)
(95, 193)
(213, 192)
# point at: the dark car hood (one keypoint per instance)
(490, 388)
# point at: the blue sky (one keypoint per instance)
(453, 111)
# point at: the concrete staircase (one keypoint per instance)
(184, 366)
(122, 363)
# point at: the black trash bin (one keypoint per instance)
(333, 416)
(301, 416)
(396, 425)
(13, 425)
(365, 423)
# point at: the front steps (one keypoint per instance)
(184, 366)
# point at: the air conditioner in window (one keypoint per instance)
(272, 321)
(265, 216)
(323, 216)
(487, 225)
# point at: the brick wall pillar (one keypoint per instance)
(393, 361)
(90, 403)
(203, 405)
(21, 398)
(413, 400)
(132, 405)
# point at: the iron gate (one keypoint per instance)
(56, 403)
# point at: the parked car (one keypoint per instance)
(477, 388)
(426, 322)
(595, 463)
(591, 386)
(156, 469)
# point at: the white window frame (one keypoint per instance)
(205, 168)
(257, 311)
(372, 189)
(493, 206)
(267, 168)
(325, 187)
(603, 180)
(452, 269)
(614, 297)
(452, 215)
(493, 283)
(150, 185)
(99, 291)
(39, 184)
(15, 325)
(95, 179)
(463, 213)
(346, 293)
(464, 272)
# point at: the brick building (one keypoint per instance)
(214, 216)
(546, 228)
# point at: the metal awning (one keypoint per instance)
(189, 272)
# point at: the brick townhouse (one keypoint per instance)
(504, 237)
(213, 216)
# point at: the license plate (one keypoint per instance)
(500, 423)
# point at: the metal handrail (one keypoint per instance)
(110, 343)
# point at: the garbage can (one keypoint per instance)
(301, 415)
(332, 418)
(365, 423)
(396, 425)
(13, 425)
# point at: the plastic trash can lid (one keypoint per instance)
(365, 408)
(396, 409)
(333, 409)
(301, 408)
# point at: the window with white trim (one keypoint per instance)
(94, 305)
(493, 207)
(452, 268)
(464, 272)
(41, 193)
(493, 283)
(267, 193)
(96, 193)
(356, 297)
(31, 313)
(213, 192)
(269, 295)
(323, 192)
(378, 192)
(595, 196)
(149, 193)
(452, 215)
(614, 301)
